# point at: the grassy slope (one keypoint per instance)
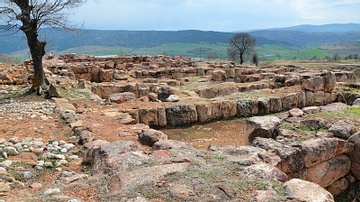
(203, 50)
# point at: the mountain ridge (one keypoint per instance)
(299, 36)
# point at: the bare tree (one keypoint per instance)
(29, 16)
(240, 45)
(255, 59)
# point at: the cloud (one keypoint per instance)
(226, 15)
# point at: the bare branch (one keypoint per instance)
(240, 45)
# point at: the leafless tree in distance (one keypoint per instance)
(255, 59)
(29, 16)
(240, 45)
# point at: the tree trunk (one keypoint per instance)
(241, 59)
(37, 51)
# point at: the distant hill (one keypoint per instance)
(187, 42)
(307, 39)
(350, 27)
(62, 40)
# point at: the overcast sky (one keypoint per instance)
(215, 15)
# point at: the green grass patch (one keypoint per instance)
(193, 50)
(98, 50)
(279, 52)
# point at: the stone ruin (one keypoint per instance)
(221, 90)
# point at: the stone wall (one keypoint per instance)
(329, 162)
(178, 114)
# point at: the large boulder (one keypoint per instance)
(291, 157)
(261, 126)
(327, 172)
(338, 186)
(313, 84)
(122, 97)
(150, 136)
(181, 114)
(265, 171)
(314, 123)
(301, 190)
(354, 155)
(108, 157)
(320, 150)
(342, 129)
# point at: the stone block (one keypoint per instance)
(181, 114)
(320, 150)
(327, 172)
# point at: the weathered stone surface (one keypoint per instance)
(301, 99)
(309, 98)
(181, 114)
(173, 98)
(320, 150)
(266, 171)
(260, 126)
(135, 178)
(171, 144)
(342, 129)
(289, 101)
(334, 107)
(150, 136)
(164, 92)
(69, 177)
(356, 102)
(354, 155)
(49, 192)
(311, 109)
(52, 92)
(338, 186)
(153, 97)
(122, 97)
(313, 84)
(177, 149)
(319, 98)
(162, 122)
(219, 75)
(296, 112)
(301, 190)
(205, 112)
(246, 108)
(275, 105)
(148, 116)
(328, 98)
(106, 75)
(291, 157)
(329, 171)
(314, 123)
(228, 108)
(330, 82)
(69, 116)
(116, 155)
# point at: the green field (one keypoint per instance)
(216, 51)
(98, 50)
(277, 52)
